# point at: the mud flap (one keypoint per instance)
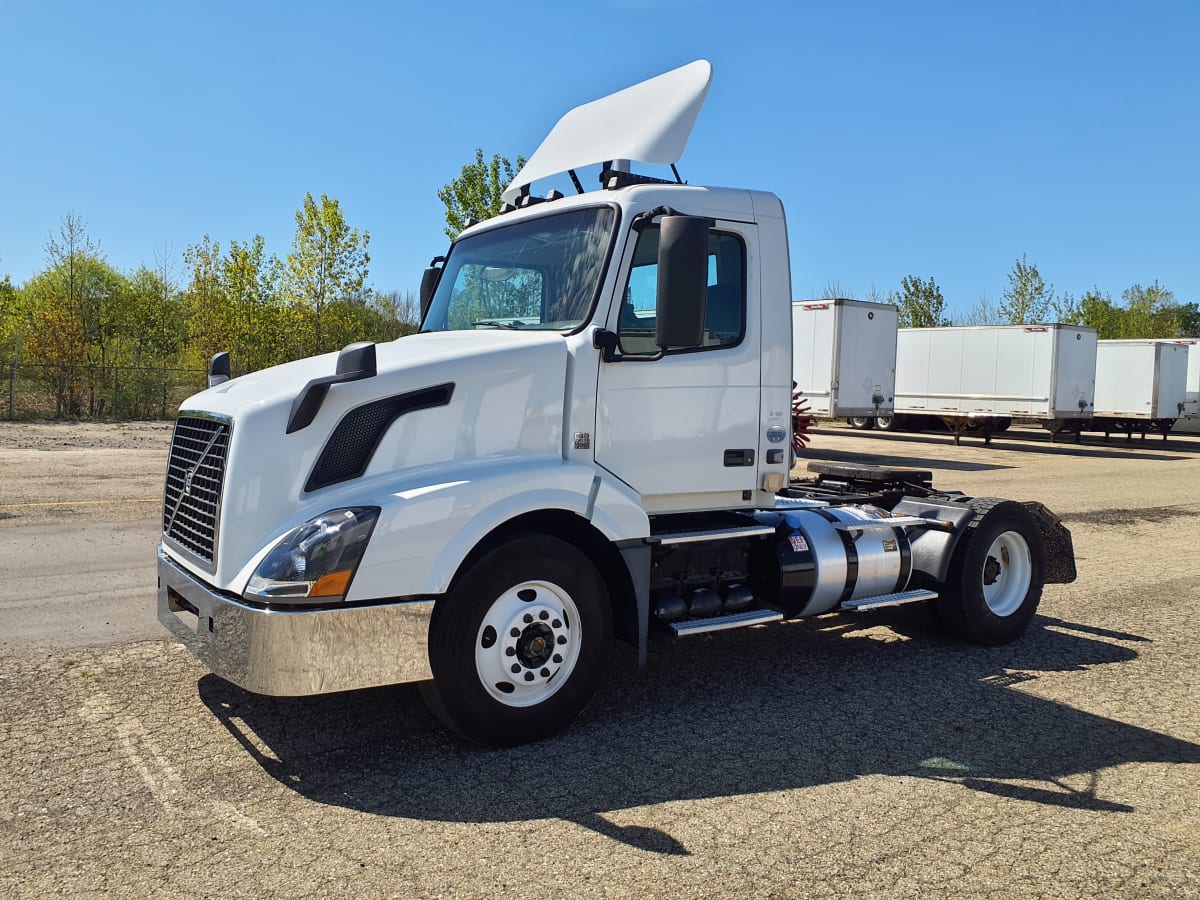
(1060, 551)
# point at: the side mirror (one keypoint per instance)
(682, 281)
(357, 360)
(429, 282)
(218, 369)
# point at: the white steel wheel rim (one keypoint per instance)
(528, 643)
(1008, 567)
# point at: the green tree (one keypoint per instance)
(1066, 309)
(1151, 312)
(921, 303)
(1188, 320)
(12, 321)
(1097, 310)
(475, 193)
(77, 314)
(984, 312)
(1027, 299)
(249, 283)
(398, 314)
(157, 331)
(327, 265)
(206, 306)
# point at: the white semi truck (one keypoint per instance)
(484, 505)
(844, 357)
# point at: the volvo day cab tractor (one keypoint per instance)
(588, 439)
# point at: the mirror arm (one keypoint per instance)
(608, 342)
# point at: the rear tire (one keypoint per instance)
(995, 580)
(535, 604)
(861, 422)
(886, 423)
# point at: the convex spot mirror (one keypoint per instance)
(682, 281)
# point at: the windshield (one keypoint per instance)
(539, 274)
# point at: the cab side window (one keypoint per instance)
(725, 313)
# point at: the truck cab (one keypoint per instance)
(588, 438)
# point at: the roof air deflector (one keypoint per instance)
(649, 122)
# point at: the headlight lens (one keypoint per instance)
(317, 559)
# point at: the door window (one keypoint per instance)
(725, 312)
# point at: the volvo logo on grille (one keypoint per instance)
(187, 481)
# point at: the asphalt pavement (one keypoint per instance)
(863, 755)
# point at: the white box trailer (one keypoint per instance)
(1191, 400)
(981, 377)
(1190, 422)
(1141, 385)
(844, 356)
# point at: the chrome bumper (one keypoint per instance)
(291, 654)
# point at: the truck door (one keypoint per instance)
(683, 430)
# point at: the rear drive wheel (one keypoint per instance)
(886, 423)
(995, 580)
(518, 643)
(861, 422)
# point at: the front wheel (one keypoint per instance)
(518, 643)
(996, 575)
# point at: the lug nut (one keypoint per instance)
(557, 658)
(529, 676)
(516, 632)
(510, 651)
(528, 618)
(515, 668)
(543, 615)
(562, 638)
(545, 673)
(557, 623)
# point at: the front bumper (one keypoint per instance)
(295, 653)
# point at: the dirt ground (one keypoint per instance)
(81, 471)
(843, 756)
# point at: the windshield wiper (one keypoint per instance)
(511, 326)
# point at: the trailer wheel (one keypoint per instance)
(518, 644)
(995, 580)
(886, 423)
(861, 422)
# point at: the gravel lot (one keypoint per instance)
(840, 756)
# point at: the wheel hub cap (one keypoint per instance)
(528, 643)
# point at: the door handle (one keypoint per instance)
(739, 458)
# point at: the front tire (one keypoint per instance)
(995, 580)
(518, 644)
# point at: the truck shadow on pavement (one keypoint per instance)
(795, 705)
(874, 458)
(1025, 442)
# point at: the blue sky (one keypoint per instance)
(939, 139)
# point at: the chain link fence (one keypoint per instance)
(39, 391)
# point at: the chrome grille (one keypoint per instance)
(195, 475)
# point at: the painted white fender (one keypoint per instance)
(426, 530)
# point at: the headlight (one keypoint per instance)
(317, 559)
